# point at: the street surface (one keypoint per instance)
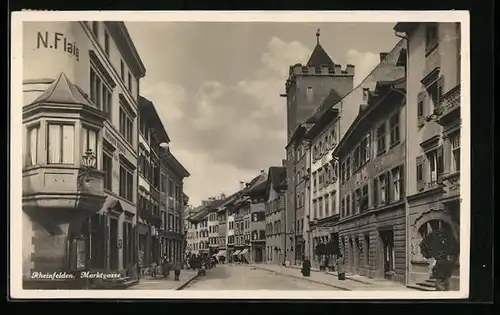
(244, 277)
(161, 283)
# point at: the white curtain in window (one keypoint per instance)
(68, 142)
(92, 142)
(396, 183)
(54, 144)
(33, 146)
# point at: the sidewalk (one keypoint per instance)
(352, 282)
(160, 283)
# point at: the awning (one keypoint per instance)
(221, 253)
(243, 252)
(236, 253)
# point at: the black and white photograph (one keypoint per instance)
(240, 155)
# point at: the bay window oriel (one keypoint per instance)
(32, 138)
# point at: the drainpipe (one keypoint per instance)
(407, 209)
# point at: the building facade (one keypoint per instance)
(434, 122)
(306, 87)
(257, 193)
(275, 215)
(325, 127)
(152, 187)
(172, 175)
(372, 207)
(322, 214)
(78, 102)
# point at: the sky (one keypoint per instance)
(217, 85)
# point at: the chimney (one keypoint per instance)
(383, 55)
(222, 195)
(242, 185)
(262, 172)
(366, 93)
(283, 162)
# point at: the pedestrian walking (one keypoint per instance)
(340, 267)
(306, 267)
(152, 269)
(177, 270)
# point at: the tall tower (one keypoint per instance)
(307, 85)
(306, 88)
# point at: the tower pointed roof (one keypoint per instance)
(319, 56)
(62, 91)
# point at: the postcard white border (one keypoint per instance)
(224, 16)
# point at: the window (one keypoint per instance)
(89, 140)
(348, 167)
(126, 126)
(100, 93)
(356, 201)
(435, 161)
(396, 184)
(32, 145)
(320, 208)
(363, 201)
(106, 43)
(381, 139)
(333, 196)
(455, 152)
(122, 76)
(435, 91)
(348, 205)
(327, 205)
(383, 188)
(375, 192)
(130, 82)
(431, 37)
(126, 183)
(421, 105)
(364, 149)
(394, 126)
(107, 167)
(355, 159)
(342, 207)
(95, 29)
(170, 188)
(61, 141)
(342, 172)
(163, 183)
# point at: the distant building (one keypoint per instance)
(433, 152)
(257, 193)
(322, 132)
(306, 87)
(372, 206)
(275, 201)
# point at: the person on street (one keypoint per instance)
(152, 270)
(306, 267)
(340, 267)
(177, 270)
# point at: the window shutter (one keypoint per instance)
(402, 193)
(439, 162)
(389, 188)
(375, 193)
(368, 146)
(420, 163)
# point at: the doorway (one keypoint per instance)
(387, 238)
(113, 244)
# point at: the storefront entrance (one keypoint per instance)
(113, 244)
(387, 238)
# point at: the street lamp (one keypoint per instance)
(88, 162)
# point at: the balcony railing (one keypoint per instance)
(449, 107)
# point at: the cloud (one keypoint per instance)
(226, 133)
(364, 63)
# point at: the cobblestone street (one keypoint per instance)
(161, 283)
(245, 277)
